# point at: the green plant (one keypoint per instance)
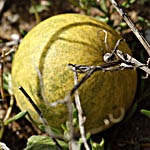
(46, 143)
(105, 8)
(40, 7)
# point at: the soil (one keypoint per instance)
(131, 134)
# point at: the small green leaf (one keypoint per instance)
(80, 141)
(123, 25)
(102, 18)
(42, 128)
(75, 3)
(103, 6)
(75, 112)
(23, 32)
(56, 131)
(141, 19)
(125, 5)
(132, 1)
(145, 112)
(88, 135)
(18, 116)
(66, 129)
(39, 7)
(7, 82)
(96, 146)
(63, 126)
(44, 143)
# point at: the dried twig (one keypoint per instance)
(80, 115)
(1, 75)
(72, 144)
(126, 61)
(88, 72)
(132, 26)
(3, 146)
(13, 49)
(9, 109)
(48, 130)
(8, 113)
(42, 91)
(10, 43)
(2, 4)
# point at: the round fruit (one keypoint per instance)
(51, 46)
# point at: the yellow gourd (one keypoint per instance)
(51, 46)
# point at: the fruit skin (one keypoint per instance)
(51, 46)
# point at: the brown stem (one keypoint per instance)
(1, 75)
(35, 12)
